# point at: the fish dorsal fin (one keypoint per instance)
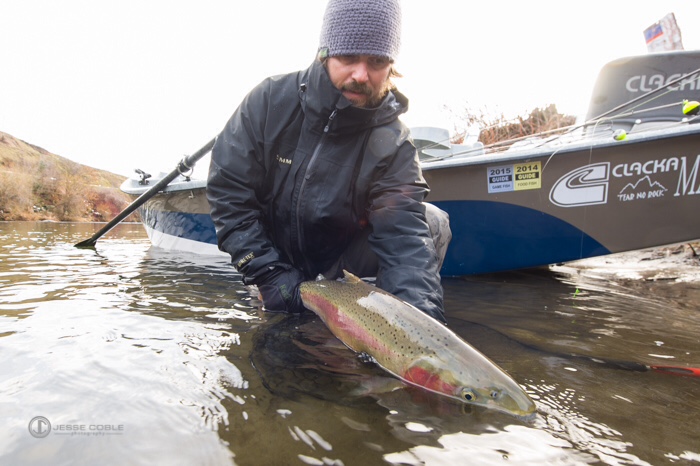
(350, 278)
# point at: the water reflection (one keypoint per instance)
(172, 348)
(512, 445)
(590, 385)
(76, 352)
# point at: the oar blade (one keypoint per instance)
(86, 244)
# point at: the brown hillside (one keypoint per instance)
(38, 185)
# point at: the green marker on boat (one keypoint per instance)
(691, 107)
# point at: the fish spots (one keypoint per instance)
(410, 345)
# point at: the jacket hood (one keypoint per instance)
(320, 98)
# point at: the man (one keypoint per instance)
(314, 173)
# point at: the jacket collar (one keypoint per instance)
(321, 98)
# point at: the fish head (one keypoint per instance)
(493, 389)
(508, 399)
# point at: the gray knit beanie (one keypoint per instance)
(361, 27)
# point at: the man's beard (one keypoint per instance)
(373, 98)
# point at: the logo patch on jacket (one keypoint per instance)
(245, 260)
(281, 159)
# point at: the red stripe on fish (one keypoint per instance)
(419, 376)
(327, 309)
(345, 328)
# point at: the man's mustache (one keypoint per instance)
(358, 88)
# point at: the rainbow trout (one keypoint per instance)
(412, 345)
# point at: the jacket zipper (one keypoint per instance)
(317, 150)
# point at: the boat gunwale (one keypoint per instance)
(179, 184)
(547, 149)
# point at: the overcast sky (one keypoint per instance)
(123, 84)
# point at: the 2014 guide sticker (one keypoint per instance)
(528, 176)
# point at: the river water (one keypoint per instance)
(135, 355)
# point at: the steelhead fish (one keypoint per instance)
(412, 345)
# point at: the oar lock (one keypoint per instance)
(184, 169)
(144, 176)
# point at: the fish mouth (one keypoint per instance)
(522, 407)
(516, 403)
(527, 418)
(527, 415)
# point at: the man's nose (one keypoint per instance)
(360, 72)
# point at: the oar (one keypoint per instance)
(631, 365)
(183, 167)
(605, 362)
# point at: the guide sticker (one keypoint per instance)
(518, 177)
(528, 176)
(500, 178)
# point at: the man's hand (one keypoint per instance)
(279, 289)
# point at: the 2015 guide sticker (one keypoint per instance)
(500, 179)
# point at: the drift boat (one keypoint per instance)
(625, 179)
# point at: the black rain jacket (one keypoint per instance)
(298, 171)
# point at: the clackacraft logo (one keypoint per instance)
(582, 187)
(39, 427)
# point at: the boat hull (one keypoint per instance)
(178, 218)
(545, 207)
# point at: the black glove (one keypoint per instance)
(279, 289)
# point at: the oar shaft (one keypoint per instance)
(183, 166)
(605, 362)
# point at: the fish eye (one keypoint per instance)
(468, 395)
(495, 394)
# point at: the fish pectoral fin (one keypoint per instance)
(377, 386)
(350, 278)
(366, 358)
